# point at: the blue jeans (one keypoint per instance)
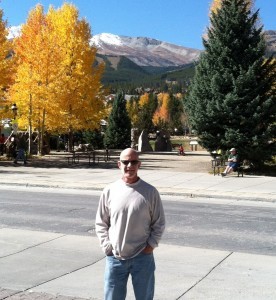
(141, 268)
(20, 155)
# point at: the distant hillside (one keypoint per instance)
(270, 37)
(120, 69)
(184, 74)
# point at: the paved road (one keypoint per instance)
(239, 226)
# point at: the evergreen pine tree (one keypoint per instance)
(175, 107)
(94, 137)
(118, 132)
(231, 101)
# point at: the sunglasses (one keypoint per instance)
(132, 162)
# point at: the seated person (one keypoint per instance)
(233, 162)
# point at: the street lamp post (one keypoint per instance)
(14, 122)
(14, 110)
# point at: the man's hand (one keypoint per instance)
(148, 249)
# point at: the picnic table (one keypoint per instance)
(93, 157)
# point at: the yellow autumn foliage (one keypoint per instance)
(144, 99)
(133, 110)
(216, 4)
(162, 112)
(36, 71)
(79, 95)
(6, 65)
(57, 86)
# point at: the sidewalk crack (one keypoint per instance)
(55, 278)
(33, 246)
(194, 285)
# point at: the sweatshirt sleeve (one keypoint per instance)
(158, 220)
(102, 224)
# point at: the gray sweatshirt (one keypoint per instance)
(129, 217)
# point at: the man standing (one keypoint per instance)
(129, 223)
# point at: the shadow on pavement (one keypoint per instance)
(169, 161)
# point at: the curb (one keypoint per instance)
(191, 194)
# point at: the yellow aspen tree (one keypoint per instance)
(144, 100)
(147, 105)
(79, 96)
(57, 86)
(6, 65)
(133, 110)
(161, 115)
(27, 49)
(36, 54)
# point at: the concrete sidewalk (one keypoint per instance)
(189, 176)
(41, 265)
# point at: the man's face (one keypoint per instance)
(129, 164)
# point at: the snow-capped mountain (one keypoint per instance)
(144, 51)
(141, 50)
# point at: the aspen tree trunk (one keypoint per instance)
(41, 134)
(30, 126)
(70, 139)
(70, 131)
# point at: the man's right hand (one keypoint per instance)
(148, 249)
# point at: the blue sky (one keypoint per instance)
(181, 22)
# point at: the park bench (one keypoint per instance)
(76, 157)
(109, 155)
(218, 166)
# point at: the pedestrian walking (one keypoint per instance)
(129, 223)
(181, 150)
(21, 146)
(2, 144)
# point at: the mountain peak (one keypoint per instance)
(106, 38)
(144, 51)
